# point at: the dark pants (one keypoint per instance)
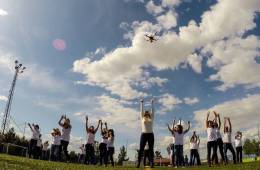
(111, 151)
(146, 156)
(194, 154)
(211, 145)
(220, 146)
(146, 137)
(90, 154)
(103, 153)
(64, 148)
(228, 146)
(38, 152)
(173, 155)
(55, 152)
(81, 158)
(32, 148)
(179, 155)
(239, 154)
(44, 155)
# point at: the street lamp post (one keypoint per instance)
(6, 118)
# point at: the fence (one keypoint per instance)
(13, 149)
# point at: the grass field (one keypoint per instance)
(8, 162)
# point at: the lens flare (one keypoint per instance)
(59, 44)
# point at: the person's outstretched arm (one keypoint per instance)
(99, 122)
(101, 127)
(142, 108)
(207, 119)
(61, 118)
(87, 124)
(30, 126)
(225, 124)
(106, 125)
(230, 126)
(152, 109)
(187, 130)
(218, 117)
(198, 141)
(169, 128)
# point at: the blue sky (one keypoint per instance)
(206, 58)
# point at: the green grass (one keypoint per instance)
(8, 162)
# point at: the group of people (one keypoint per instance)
(214, 141)
(61, 139)
(106, 147)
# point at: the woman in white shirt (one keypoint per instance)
(147, 135)
(103, 144)
(172, 155)
(219, 141)
(90, 151)
(194, 146)
(65, 136)
(55, 146)
(33, 142)
(178, 134)
(227, 140)
(211, 140)
(238, 145)
(110, 146)
(45, 150)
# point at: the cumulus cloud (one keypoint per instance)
(120, 69)
(3, 98)
(170, 3)
(169, 102)
(153, 9)
(191, 101)
(3, 12)
(242, 112)
(167, 21)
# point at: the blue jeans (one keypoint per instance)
(179, 155)
(55, 152)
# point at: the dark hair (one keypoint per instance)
(37, 126)
(179, 129)
(112, 132)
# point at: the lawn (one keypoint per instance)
(16, 163)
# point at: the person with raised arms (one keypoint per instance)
(238, 145)
(147, 135)
(64, 122)
(33, 142)
(172, 153)
(194, 147)
(110, 146)
(55, 146)
(90, 151)
(211, 140)
(103, 144)
(227, 140)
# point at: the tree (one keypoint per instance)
(122, 156)
(251, 146)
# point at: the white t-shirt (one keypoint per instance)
(35, 134)
(104, 140)
(82, 150)
(173, 139)
(110, 142)
(147, 125)
(39, 142)
(90, 138)
(211, 134)
(178, 138)
(45, 147)
(238, 142)
(218, 134)
(56, 140)
(227, 137)
(194, 145)
(66, 134)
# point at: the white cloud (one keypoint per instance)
(243, 113)
(169, 102)
(168, 20)
(153, 9)
(3, 12)
(3, 98)
(119, 69)
(191, 101)
(170, 3)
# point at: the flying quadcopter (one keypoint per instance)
(151, 37)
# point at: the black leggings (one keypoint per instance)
(111, 151)
(211, 145)
(90, 154)
(194, 154)
(228, 146)
(64, 148)
(239, 154)
(219, 143)
(146, 137)
(146, 156)
(173, 154)
(103, 153)
(32, 148)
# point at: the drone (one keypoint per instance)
(151, 37)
